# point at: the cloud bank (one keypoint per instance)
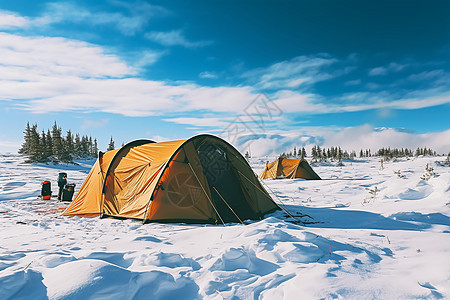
(350, 138)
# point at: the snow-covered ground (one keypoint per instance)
(391, 243)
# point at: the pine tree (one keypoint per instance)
(111, 145)
(303, 153)
(69, 142)
(295, 152)
(77, 146)
(26, 144)
(68, 148)
(49, 145)
(84, 146)
(319, 152)
(94, 149)
(45, 154)
(417, 151)
(345, 155)
(314, 152)
(447, 160)
(34, 149)
(91, 146)
(57, 142)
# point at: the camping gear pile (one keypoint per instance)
(65, 192)
(199, 180)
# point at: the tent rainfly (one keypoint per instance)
(289, 168)
(200, 180)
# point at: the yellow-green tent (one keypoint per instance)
(200, 180)
(289, 168)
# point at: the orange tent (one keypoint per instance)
(200, 180)
(288, 168)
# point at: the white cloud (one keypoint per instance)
(378, 71)
(10, 20)
(158, 138)
(350, 138)
(37, 59)
(392, 67)
(292, 73)
(366, 137)
(353, 82)
(148, 57)
(174, 38)
(44, 74)
(139, 15)
(427, 75)
(201, 121)
(291, 102)
(206, 74)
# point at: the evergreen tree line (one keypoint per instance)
(53, 146)
(336, 153)
(389, 153)
(301, 153)
(319, 154)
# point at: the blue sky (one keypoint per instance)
(360, 74)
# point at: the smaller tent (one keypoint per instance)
(289, 168)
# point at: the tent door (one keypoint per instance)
(226, 191)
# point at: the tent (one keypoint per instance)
(289, 168)
(200, 180)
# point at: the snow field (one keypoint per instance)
(348, 243)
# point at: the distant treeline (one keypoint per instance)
(336, 153)
(318, 153)
(52, 146)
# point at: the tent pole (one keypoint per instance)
(228, 205)
(288, 213)
(101, 196)
(210, 201)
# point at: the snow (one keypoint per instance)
(347, 243)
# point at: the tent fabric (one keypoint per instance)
(289, 168)
(93, 185)
(201, 180)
